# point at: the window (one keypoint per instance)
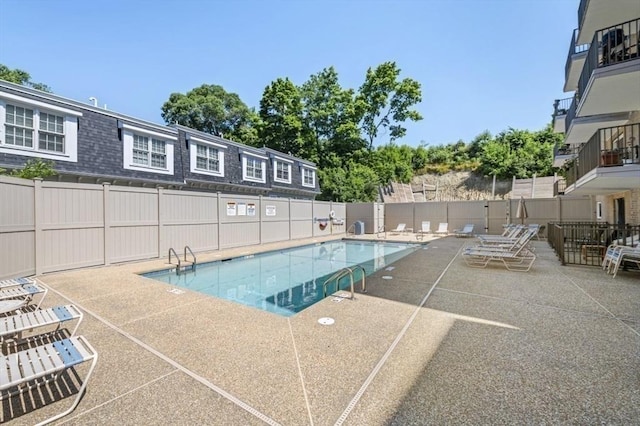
(206, 157)
(281, 170)
(253, 167)
(19, 126)
(599, 210)
(36, 129)
(146, 150)
(308, 177)
(149, 152)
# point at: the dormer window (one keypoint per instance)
(253, 167)
(308, 177)
(282, 170)
(147, 151)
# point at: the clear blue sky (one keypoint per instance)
(483, 64)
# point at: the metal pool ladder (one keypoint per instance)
(180, 268)
(345, 272)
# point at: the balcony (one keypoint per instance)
(608, 162)
(575, 62)
(608, 82)
(564, 153)
(595, 14)
(560, 108)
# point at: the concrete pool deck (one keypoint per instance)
(438, 343)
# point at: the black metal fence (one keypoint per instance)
(585, 243)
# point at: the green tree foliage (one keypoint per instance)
(34, 168)
(21, 77)
(211, 109)
(385, 102)
(330, 116)
(282, 127)
(348, 182)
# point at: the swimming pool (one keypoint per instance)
(286, 281)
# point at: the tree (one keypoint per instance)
(330, 115)
(34, 168)
(211, 109)
(21, 77)
(348, 182)
(384, 102)
(282, 126)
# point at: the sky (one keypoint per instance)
(482, 64)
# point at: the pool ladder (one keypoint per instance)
(180, 267)
(346, 272)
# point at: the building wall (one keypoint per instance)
(103, 151)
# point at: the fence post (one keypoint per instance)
(260, 220)
(38, 210)
(290, 225)
(219, 215)
(106, 222)
(160, 222)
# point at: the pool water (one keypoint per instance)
(287, 281)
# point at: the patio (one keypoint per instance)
(439, 343)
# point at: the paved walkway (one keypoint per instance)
(438, 343)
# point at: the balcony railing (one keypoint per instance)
(571, 113)
(582, 8)
(610, 46)
(559, 186)
(611, 146)
(585, 243)
(573, 50)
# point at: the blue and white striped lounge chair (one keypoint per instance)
(24, 292)
(12, 327)
(12, 282)
(22, 371)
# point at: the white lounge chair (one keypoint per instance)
(12, 282)
(425, 229)
(22, 371)
(467, 231)
(519, 258)
(12, 327)
(443, 228)
(24, 292)
(400, 229)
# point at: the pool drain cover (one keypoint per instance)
(326, 321)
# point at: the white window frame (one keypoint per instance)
(281, 161)
(263, 164)
(312, 170)
(193, 156)
(127, 142)
(69, 129)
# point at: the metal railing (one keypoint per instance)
(571, 113)
(610, 146)
(193, 264)
(610, 46)
(345, 272)
(574, 49)
(560, 107)
(559, 186)
(585, 243)
(171, 250)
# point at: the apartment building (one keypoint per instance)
(601, 119)
(90, 144)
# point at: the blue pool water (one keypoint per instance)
(287, 281)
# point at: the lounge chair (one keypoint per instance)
(424, 230)
(22, 371)
(519, 258)
(515, 256)
(24, 292)
(443, 228)
(467, 231)
(12, 327)
(400, 229)
(16, 281)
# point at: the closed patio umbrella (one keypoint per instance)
(521, 213)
